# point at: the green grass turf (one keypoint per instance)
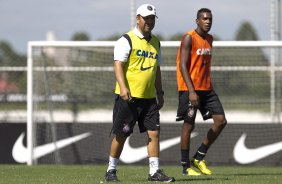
(88, 174)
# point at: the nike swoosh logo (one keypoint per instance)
(244, 155)
(145, 68)
(20, 152)
(131, 155)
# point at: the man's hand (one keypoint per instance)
(193, 98)
(160, 98)
(125, 94)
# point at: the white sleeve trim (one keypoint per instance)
(121, 50)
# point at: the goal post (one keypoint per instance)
(72, 82)
(30, 69)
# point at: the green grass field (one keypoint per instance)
(90, 174)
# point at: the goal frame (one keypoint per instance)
(271, 68)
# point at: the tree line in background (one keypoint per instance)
(11, 81)
(10, 57)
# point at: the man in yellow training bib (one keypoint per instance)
(139, 93)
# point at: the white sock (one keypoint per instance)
(112, 163)
(153, 164)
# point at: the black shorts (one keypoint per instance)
(126, 114)
(209, 104)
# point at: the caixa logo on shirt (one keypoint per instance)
(204, 51)
(146, 54)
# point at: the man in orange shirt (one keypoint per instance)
(193, 65)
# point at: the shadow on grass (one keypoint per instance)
(203, 179)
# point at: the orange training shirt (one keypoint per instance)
(199, 64)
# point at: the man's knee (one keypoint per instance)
(120, 138)
(220, 121)
(153, 134)
(223, 123)
(188, 126)
(153, 137)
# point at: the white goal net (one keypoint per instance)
(71, 95)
